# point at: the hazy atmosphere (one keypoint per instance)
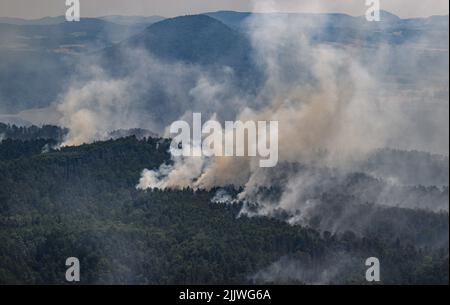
(169, 8)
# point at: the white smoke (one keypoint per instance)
(222, 196)
(155, 93)
(306, 271)
(182, 173)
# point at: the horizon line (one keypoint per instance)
(219, 11)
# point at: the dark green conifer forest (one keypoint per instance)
(83, 202)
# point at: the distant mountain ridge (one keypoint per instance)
(335, 27)
(132, 20)
(40, 21)
(119, 19)
(237, 18)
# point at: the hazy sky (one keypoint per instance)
(89, 8)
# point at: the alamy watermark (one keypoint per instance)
(73, 272)
(73, 10)
(237, 139)
(373, 272)
(373, 12)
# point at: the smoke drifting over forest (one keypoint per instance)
(363, 140)
(336, 105)
(333, 110)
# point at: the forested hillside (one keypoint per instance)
(82, 201)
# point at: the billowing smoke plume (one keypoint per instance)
(150, 95)
(335, 109)
(336, 104)
(325, 97)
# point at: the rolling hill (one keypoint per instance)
(196, 39)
